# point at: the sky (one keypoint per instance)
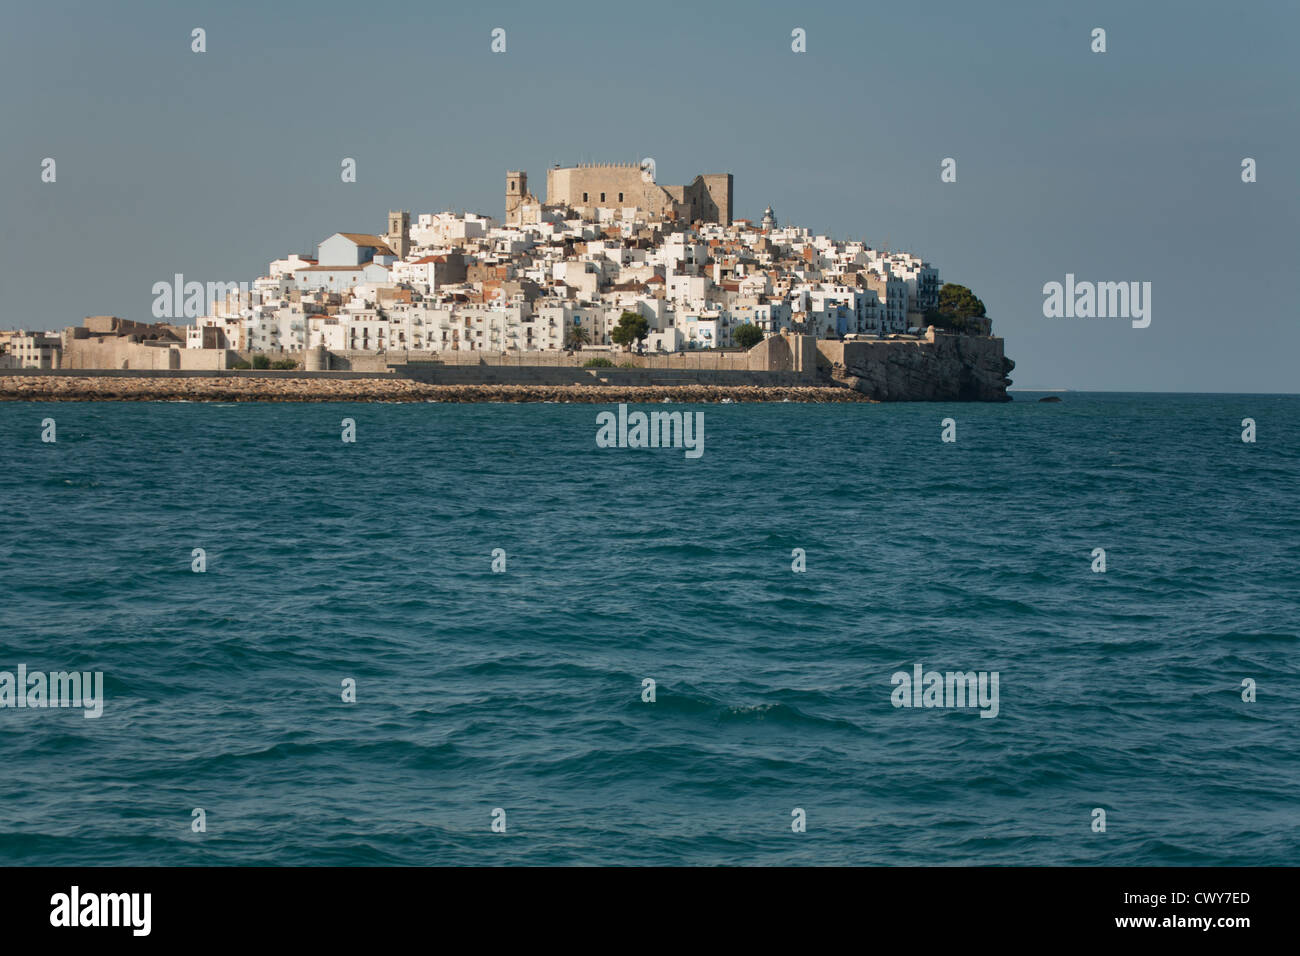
(1117, 166)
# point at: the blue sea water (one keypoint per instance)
(522, 690)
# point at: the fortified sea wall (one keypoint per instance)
(938, 367)
(129, 352)
(793, 354)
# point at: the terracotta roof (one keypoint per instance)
(369, 240)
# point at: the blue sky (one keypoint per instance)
(1122, 166)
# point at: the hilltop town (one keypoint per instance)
(610, 262)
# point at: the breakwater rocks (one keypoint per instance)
(120, 388)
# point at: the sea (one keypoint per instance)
(471, 636)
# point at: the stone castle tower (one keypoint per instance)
(398, 236)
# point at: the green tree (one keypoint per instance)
(632, 328)
(747, 335)
(959, 302)
(261, 361)
(957, 306)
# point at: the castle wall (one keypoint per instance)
(582, 187)
(620, 185)
(119, 352)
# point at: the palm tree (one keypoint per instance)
(575, 337)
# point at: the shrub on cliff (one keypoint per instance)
(261, 361)
(241, 364)
(284, 364)
(598, 363)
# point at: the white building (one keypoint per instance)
(35, 350)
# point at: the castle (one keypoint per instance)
(625, 189)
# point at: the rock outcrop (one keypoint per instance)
(936, 368)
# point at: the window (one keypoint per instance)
(602, 197)
(584, 197)
(620, 197)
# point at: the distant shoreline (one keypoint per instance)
(109, 388)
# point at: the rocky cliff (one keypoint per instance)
(937, 368)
